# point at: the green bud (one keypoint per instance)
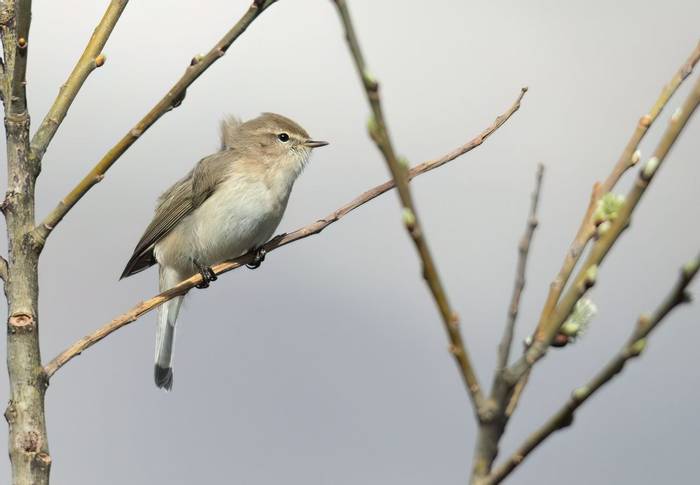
(691, 267)
(608, 207)
(583, 313)
(638, 347)
(372, 125)
(408, 217)
(580, 393)
(591, 275)
(603, 227)
(570, 329)
(636, 156)
(369, 79)
(650, 168)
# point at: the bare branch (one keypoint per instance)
(523, 251)
(587, 275)
(494, 418)
(277, 242)
(18, 100)
(399, 171)
(88, 62)
(628, 158)
(633, 348)
(172, 99)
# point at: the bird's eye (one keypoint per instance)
(283, 137)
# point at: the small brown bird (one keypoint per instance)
(230, 203)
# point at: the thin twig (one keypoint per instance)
(586, 231)
(523, 252)
(627, 158)
(277, 242)
(495, 419)
(88, 62)
(632, 348)
(399, 171)
(172, 99)
(587, 275)
(18, 100)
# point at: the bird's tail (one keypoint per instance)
(165, 332)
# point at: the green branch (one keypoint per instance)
(379, 133)
(91, 59)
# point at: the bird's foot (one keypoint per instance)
(258, 259)
(208, 276)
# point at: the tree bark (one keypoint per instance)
(28, 444)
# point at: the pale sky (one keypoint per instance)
(329, 364)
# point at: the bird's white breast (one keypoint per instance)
(241, 214)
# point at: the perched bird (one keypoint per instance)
(229, 204)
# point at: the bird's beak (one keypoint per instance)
(315, 144)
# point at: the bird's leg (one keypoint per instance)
(258, 259)
(207, 273)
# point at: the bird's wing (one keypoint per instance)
(174, 205)
(177, 203)
(209, 173)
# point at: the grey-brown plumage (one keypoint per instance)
(230, 203)
(178, 202)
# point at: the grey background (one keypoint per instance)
(329, 365)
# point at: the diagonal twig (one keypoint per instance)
(399, 171)
(277, 242)
(632, 348)
(172, 99)
(88, 62)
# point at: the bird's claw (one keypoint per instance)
(258, 259)
(208, 276)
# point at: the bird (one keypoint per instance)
(230, 203)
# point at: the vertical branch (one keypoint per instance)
(91, 59)
(28, 446)
(492, 427)
(523, 252)
(399, 171)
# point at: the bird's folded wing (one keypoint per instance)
(175, 205)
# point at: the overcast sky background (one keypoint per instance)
(328, 365)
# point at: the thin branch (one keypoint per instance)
(633, 348)
(18, 99)
(494, 418)
(172, 99)
(628, 158)
(523, 252)
(399, 171)
(277, 242)
(587, 275)
(88, 62)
